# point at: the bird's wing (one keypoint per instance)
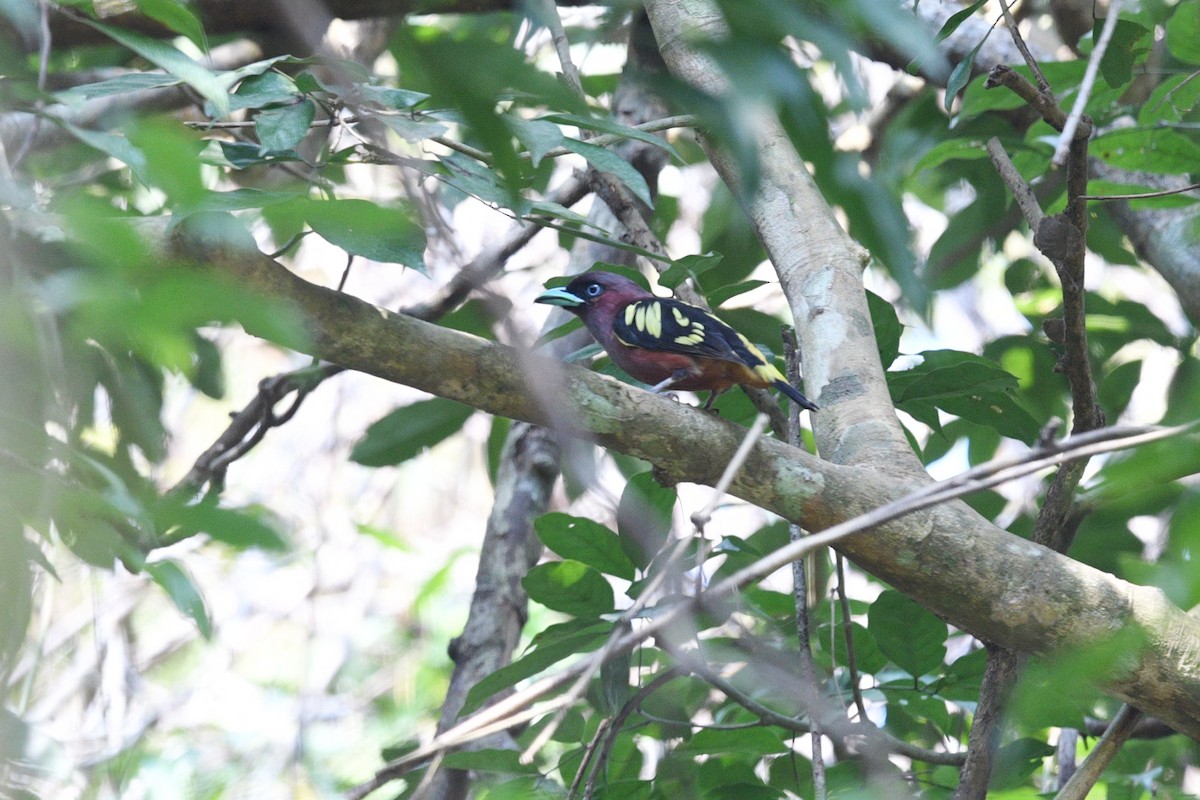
(673, 326)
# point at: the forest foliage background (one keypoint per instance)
(259, 538)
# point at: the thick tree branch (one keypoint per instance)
(1164, 237)
(819, 265)
(979, 577)
(221, 17)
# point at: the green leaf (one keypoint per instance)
(1060, 690)
(282, 127)
(1183, 33)
(173, 61)
(208, 376)
(1171, 101)
(743, 741)
(570, 587)
(116, 146)
(538, 137)
(260, 91)
(1129, 41)
(966, 385)
(242, 155)
(960, 76)
(384, 537)
(176, 16)
(1162, 151)
(566, 329)
(718, 296)
(956, 19)
(246, 198)
(405, 432)
(887, 328)
(956, 149)
(688, 267)
(610, 162)
(1017, 760)
(242, 528)
(1130, 474)
(391, 97)
(122, 84)
(586, 541)
(911, 637)
(504, 761)
(644, 517)
(232, 77)
(183, 592)
(413, 129)
(367, 229)
(549, 650)
(964, 677)
(867, 655)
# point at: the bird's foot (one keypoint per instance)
(663, 385)
(708, 405)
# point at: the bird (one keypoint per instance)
(665, 342)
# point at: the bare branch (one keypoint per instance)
(1030, 61)
(704, 515)
(518, 708)
(1140, 195)
(1022, 192)
(1119, 731)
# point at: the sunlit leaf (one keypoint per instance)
(570, 587)
(586, 541)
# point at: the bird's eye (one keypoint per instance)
(593, 290)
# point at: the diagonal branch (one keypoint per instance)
(518, 708)
(950, 560)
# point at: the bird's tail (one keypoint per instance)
(795, 395)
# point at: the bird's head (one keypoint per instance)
(591, 291)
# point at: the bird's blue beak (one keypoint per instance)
(559, 297)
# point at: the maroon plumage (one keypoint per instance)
(665, 342)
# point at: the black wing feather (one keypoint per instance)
(677, 327)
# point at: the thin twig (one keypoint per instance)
(598, 658)
(427, 779)
(482, 156)
(848, 635)
(1119, 731)
(704, 515)
(618, 721)
(653, 126)
(249, 425)
(590, 751)
(1139, 195)
(1030, 61)
(44, 39)
(808, 671)
(1003, 667)
(809, 688)
(838, 725)
(1085, 87)
(1022, 192)
(517, 708)
(562, 46)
